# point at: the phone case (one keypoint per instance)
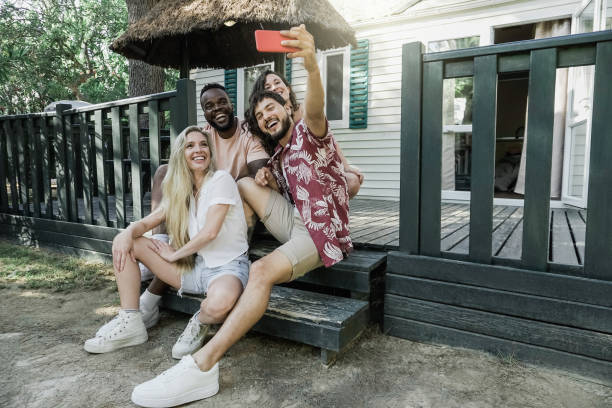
(270, 41)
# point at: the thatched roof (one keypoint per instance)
(198, 26)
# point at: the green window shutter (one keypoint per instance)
(358, 103)
(288, 67)
(231, 84)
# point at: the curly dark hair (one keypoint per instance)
(250, 121)
(260, 86)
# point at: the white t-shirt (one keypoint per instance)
(231, 240)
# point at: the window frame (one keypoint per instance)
(346, 76)
(241, 94)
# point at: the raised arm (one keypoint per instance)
(315, 95)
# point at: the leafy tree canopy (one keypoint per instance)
(58, 49)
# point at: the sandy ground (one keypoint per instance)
(43, 364)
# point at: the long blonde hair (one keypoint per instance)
(177, 189)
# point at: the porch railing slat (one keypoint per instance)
(61, 171)
(154, 140)
(45, 163)
(135, 162)
(34, 161)
(540, 120)
(71, 187)
(431, 162)
(11, 166)
(598, 245)
(100, 168)
(483, 158)
(86, 167)
(3, 167)
(118, 167)
(23, 168)
(410, 147)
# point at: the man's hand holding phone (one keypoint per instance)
(297, 42)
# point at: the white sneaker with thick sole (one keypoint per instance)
(150, 317)
(178, 385)
(127, 329)
(191, 339)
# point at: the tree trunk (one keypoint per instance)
(144, 78)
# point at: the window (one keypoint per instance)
(245, 81)
(335, 74)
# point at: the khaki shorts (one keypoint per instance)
(285, 223)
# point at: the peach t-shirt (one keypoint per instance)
(233, 154)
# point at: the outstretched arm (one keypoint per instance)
(315, 95)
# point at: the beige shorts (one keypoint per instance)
(287, 226)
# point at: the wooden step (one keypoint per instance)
(324, 321)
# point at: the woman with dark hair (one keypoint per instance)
(275, 82)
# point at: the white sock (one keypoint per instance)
(148, 300)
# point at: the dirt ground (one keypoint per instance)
(43, 364)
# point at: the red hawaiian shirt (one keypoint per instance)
(316, 184)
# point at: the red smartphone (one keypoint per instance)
(270, 41)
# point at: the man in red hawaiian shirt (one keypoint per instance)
(301, 197)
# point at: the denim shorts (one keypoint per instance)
(199, 279)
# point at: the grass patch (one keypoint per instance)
(33, 268)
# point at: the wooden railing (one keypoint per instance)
(421, 135)
(72, 164)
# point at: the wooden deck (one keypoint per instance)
(375, 224)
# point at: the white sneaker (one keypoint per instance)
(191, 339)
(150, 317)
(127, 329)
(178, 385)
(145, 273)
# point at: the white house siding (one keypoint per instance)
(203, 77)
(376, 149)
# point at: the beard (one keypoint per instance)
(227, 126)
(278, 135)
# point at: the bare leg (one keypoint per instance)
(221, 297)
(264, 273)
(353, 184)
(128, 281)
(157, 286)
(271, 269)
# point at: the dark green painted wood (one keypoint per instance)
(59, 150)
(410, 147)
(458, 69)
(551, 285)
(11, 164)
(483, 158)
(23, 167)
(279, 64)
(576, 341)
(100, 168)
(430, 333)
(513, 63)
(358, 87)
(85, 146)
(4, 206)
(576, 56)
(44, 139)
(549, 310)
(118, 168)
(431, 160)
(65, 227)
(136, 173)
(154, 137)
(540, 111)
(70, 168)
(184, 110)
(599, 221)
(574, 40)
(288, 69)
(34, 165)
(231, 84)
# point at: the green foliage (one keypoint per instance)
(58, 49)
(38, 269)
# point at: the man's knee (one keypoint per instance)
(259, 274)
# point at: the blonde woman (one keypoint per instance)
(204, 216)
